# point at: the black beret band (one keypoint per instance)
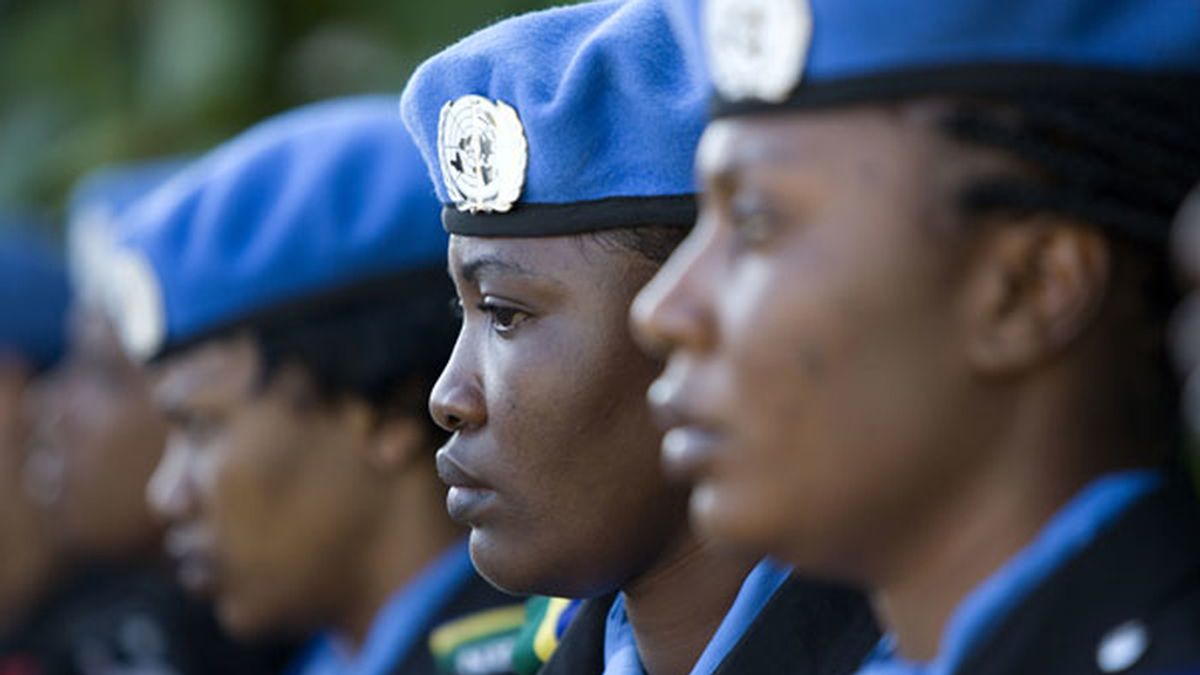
(979, 79)
(555, 220)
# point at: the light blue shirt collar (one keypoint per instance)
(620, 647)
(399, 625)
(1071, 529)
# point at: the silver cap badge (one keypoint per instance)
(135, 304)
(757, 48)
(483, 154)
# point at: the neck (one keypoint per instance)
(678, 604)
(984, 520)
(411, 533)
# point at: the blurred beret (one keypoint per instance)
(563, 121)
(34, 295)
(96, 204)
(763, 54)
(316, 204)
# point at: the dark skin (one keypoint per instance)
(91, 415)
(553, 463)
(294, 512)
(863, 385)
(31, 558)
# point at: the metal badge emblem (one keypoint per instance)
(757, 48)
(483, 154)
(1122, 647)
(135, 303)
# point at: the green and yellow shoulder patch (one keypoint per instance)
(478, 644)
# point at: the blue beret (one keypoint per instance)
(34, 297)
(762, 54)
(315, 204)
(563, 121)
(96, 204)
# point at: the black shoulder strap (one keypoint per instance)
(807, 628)
(1144, 569)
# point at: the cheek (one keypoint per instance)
(240, 481)
(580, 462)
(820, 365)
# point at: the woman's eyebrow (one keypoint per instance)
(471, 268)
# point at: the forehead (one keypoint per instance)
(214, 368)
(857, 136)
(564, 263)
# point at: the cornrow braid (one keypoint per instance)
(1124, 164)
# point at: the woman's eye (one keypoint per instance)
(200, 426)
(754, 227)
(456, 308)
(504, 319)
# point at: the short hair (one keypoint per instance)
(385, 343)
(654, 243)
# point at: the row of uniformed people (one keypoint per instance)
(916, 345)
(83, 587)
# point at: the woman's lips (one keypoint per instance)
(197, 574)
(468, 497)
(689, 444)
(686, 450)
(195, 567)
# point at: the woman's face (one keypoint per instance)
(22, 520)
(554, 458)
(267, 493)
(813, 320)
(96, 440)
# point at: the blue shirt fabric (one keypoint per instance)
(399, 625)
(1071, 529)
(620, 646)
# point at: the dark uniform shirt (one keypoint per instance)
(1128, 603)
(127, 620)
(447, 620)
(806, 628)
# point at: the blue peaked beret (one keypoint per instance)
(96, 204)
(34, 295)
(314, 206)
(763, 54)
(563, 121)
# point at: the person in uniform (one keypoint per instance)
(561, 143)
(95, 441)
(288, 294)
(916, 340)
(33, 301)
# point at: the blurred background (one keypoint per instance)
(90, 82)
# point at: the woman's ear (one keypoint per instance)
(1036, 287)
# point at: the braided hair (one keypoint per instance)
(1124, 164)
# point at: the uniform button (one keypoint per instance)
(1122, 647)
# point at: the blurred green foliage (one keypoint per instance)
(89, 82)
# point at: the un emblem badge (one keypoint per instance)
(757, 48)
(134, 300)
(483, 154)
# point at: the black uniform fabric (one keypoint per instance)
(478, 595)
(1144, 568)
(116, 620)
(807, 628)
